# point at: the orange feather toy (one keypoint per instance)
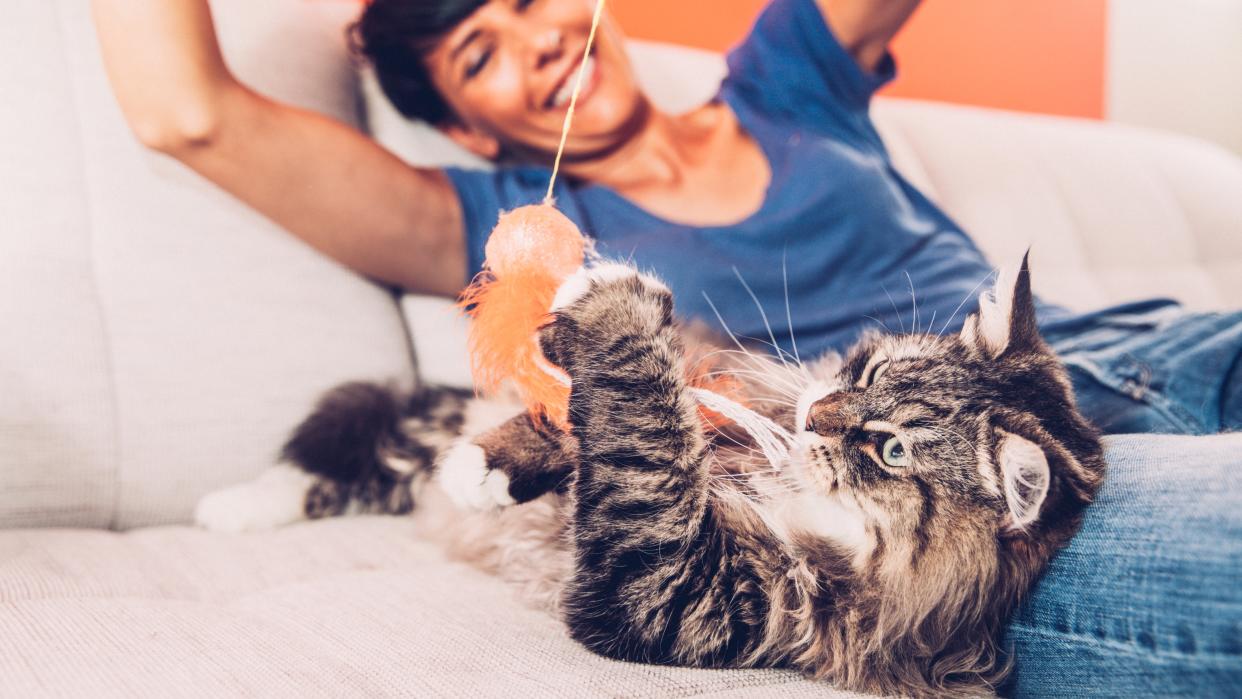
(530, 252)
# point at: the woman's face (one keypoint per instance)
(508, 70)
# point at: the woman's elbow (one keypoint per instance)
(177, 131)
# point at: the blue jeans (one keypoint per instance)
(1147, 598)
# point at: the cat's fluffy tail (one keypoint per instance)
(371, 447)
(364, 448)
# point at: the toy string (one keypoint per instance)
(773, 440)
(573, 99)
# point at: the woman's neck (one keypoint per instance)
(659, 153)
(699, 168)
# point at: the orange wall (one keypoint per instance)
(1030, 55)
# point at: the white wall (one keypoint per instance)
(1177, 64)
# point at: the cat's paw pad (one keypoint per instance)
(274, 499)
(581, 282)
(463, 475)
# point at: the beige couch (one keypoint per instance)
(157, 340)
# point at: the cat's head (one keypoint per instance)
(963, 458)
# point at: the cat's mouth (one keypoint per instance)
(817, 470)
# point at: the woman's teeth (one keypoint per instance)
(561, 98)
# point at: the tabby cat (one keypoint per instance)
(934, 477)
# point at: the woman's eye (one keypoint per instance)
(476, 65)
(894, 453)
(523, 4)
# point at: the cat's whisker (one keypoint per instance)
(788, 313)
(725, 325)
(900, 318)
(914, 303)
(780, 352)
(762, 314)
(769, 373)
(767, 377)
(781, 387)
(882, 324)
(765, 362)
(968, 297)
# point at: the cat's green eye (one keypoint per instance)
(894, 453)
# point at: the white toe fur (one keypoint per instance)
(463, 476)
(612, 272)
(579, 283)
(276, 498)
(572, 289)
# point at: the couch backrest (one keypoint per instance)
(157, 338)
(1112, 213)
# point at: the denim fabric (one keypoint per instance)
(1146, 601)
(1153, 368)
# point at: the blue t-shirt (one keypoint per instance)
(840, 234)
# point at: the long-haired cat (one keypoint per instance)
(934, 478)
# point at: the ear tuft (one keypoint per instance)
(1025, 477)
(1006, 317)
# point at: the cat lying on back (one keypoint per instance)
(934, 478)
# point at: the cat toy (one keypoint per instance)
(531, 251)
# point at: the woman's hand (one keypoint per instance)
(323, 181)
(865, 27)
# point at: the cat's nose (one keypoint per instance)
(826, 415)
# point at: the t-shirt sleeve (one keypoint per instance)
(484, 194)
(792, 63)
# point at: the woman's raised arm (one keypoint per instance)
(865, 27)
(323, 181)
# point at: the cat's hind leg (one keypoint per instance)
(365, 448)
(517, 461)
(368, 449)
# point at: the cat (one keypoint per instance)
(932, 480)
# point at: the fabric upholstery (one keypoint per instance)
(160, 338)
(1112, 213)
(345, 607)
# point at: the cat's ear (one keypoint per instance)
(1006, 318)
(1025, 477)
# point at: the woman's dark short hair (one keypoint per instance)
(395, 36)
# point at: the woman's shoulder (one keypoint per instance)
(792, 62)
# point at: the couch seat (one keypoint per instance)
(343, 607)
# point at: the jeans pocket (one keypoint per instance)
(1120, 394)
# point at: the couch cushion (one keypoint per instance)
(1112, 213)
(344, 607)
(161, 338)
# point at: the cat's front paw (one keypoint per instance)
(464, 476)
(276, 498)
(600, 303)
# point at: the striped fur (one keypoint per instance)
(659, 543)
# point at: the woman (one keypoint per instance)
(780, 188)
